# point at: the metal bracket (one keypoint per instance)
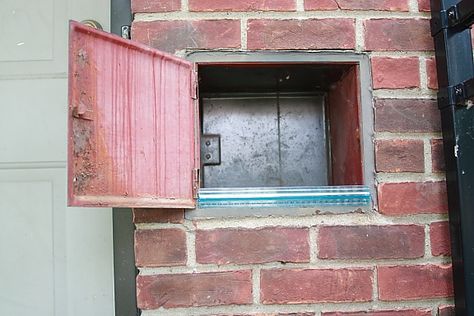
(211, 149)
(461, 94)
(461, 14)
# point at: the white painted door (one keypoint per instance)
(54, 260)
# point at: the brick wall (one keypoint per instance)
(393, 261)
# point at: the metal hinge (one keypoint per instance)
(125, 31)
(196, 182)
(194, 83)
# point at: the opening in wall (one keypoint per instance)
(284, 131)
(280, 125)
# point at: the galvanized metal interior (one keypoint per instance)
(265, 140)
(265, 125)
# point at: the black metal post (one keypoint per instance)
(454, 61)
(123, 229)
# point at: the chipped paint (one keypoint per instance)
(132, 124)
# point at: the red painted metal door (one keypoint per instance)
(133, 127)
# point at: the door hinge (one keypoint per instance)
(194, 83)
(196, 182)
(125, 31)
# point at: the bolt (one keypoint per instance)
(208, 156)
(208, 143)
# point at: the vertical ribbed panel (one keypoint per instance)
(131, 124)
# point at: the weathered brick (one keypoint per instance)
(395, 73)
(400, 312)
(407, 115)
(242, 246)
(147, 6)
(158, 215)
(383, 5)
(400, 155)
(194, 289)
(398, 34)
(431, 73)
(301, 34)
(437, 155)
(371, 242)
(160, 247)
(173, 35)
(414, 282)
(439, 239)
(242, 5)
(446, 310)
(398, 199)
(283, 286)
(424, 5)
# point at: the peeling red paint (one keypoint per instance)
(132, 124)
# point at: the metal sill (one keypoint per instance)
(280, 201)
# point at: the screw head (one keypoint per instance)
(208, 156)
(208, 143)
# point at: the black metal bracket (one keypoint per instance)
(459, 15)
(461, 94)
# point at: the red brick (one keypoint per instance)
(174, 35)
(158, 215)
(270, 314)
(446, 310)
(407, 115)
(431, 73)
(401, 312)
(395, 73)
(439, 239)
(320, 5)
(242, 5)
(371, 242)
(398, 199)
(400, 155)
(301, 34)
(160, 247)
(242, 246)
(282, 286)
(414, 282)
(424, 5)
(194, 289)
(398, 34)
(383, 5)
(155, 6)
(437, 155)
